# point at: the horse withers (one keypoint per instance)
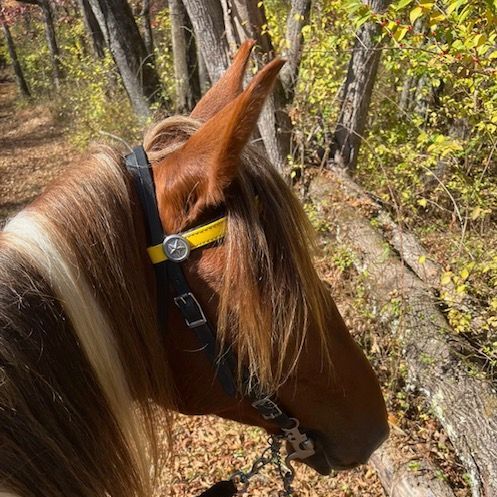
(87, 376)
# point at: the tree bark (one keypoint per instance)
(92, 28)
(357, 90)
(20, 80)
(126, 45)
(465, 405)
(186, 68)
(246, 21)
(203, 74)
(298, 17)
(148, 37)
(248, 17)
(207, 21)
(407, 477)
(52, 42)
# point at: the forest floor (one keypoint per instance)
(35, 149)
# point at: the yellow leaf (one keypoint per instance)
(446, 278)
(422, 259)
(479, 40)
(422, 202)
(415, 13)
(400, 33)
(426, 4)
(464, 274)
(476, 213)
(461, 289)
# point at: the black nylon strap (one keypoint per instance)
(139, 167)
(195, 319)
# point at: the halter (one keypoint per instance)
(167, 252)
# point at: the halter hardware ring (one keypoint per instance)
(176, 247)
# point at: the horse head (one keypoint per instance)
(258, 286)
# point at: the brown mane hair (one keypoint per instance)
(79, 343)
(270, 291)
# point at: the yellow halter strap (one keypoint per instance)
(194, 238)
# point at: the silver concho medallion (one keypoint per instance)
(176, 248)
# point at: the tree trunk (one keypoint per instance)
(408, 93)
(465, 405)
(407, 477)
(357, 90)
(20, 80)
(52, 42)
(186, 68)
(298, 17)
(126, 45)
(92, 28)
(207, 20)
(203, 74)
(247, 19)
(148, 36)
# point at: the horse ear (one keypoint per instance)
(216, 147)
(227, 88)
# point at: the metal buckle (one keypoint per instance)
(176, 247)
(268, 408)
(185, 307)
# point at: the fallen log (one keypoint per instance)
(409, 249)
(465, 405)
(412, 477)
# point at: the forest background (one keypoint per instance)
(385, 120)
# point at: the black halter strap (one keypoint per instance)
(172, 272)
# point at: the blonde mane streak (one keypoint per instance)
(41, 243)
(81, 235)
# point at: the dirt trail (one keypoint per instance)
(33, 151)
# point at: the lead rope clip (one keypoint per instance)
(302, 445)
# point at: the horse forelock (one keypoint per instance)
(77, 259)
(270, 294)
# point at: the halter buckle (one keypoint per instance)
(267, 408)
(191, 310)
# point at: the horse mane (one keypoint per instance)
(270, 292)
(79, 342)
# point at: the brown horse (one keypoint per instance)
(86, 376)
